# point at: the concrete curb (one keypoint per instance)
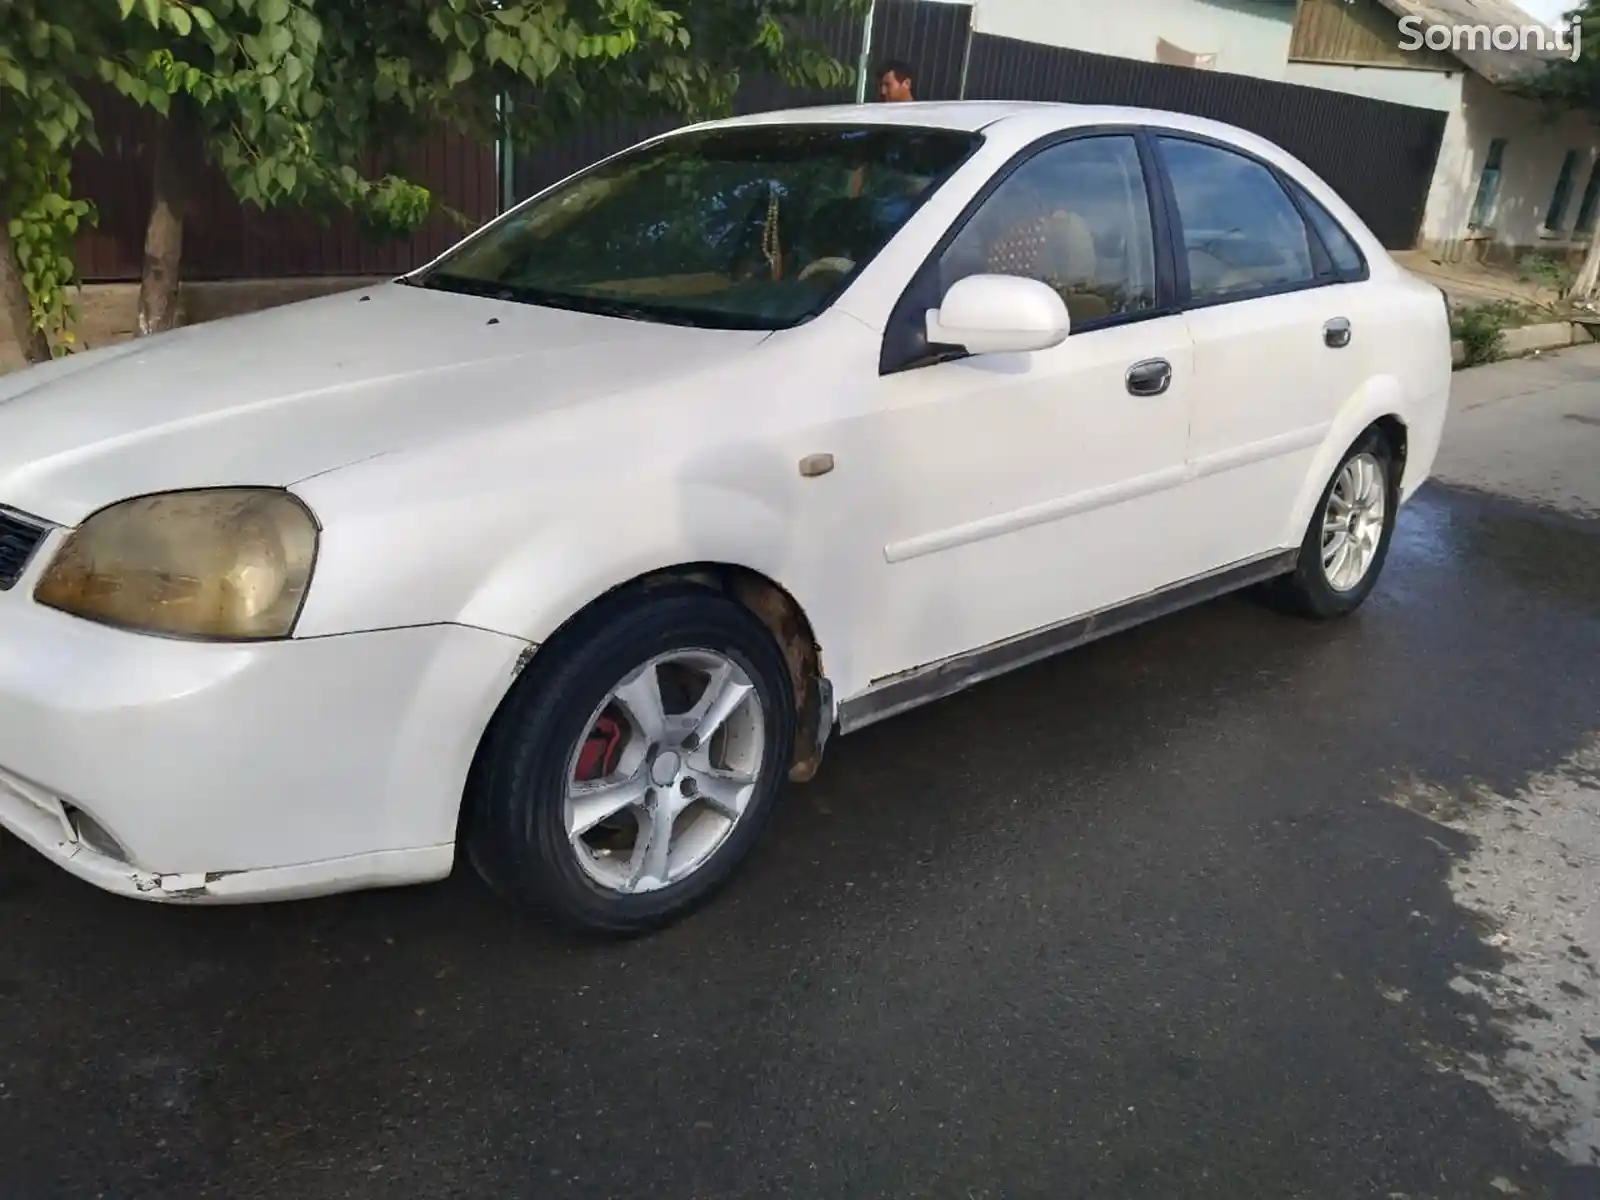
(1530, 339)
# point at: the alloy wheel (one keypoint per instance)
(1352, 523)
(664, 771)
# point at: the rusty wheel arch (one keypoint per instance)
(775, 608)
(781, 613)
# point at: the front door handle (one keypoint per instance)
(1336, 333)
(1151, 377)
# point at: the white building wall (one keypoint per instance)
(1249, 37)
(1438, 90)
(1529, 169)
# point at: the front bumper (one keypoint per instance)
(173, 770)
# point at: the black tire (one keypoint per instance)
(1306, 591)
(516, 833)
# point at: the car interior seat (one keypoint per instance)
(1057, 248)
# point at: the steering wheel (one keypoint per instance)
(837, 265)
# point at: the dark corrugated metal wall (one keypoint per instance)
(1378, 156)
(933, 40)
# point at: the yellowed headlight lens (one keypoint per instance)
(227, 563)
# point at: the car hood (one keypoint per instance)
(274, 398)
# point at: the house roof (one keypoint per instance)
(1497, 66)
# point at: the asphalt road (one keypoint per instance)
(1163, 918)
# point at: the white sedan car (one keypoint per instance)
(571, 547)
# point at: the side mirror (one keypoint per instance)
(1000, 314)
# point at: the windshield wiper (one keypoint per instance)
(602, 306)
(443, 281)
(633, 310)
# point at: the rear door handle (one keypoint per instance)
(1336, 333)
(1151, 377)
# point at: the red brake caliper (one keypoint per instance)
(600, 752)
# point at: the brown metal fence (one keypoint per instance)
(224, 239)
(533, 172)
(1379, 156)
(933, 37)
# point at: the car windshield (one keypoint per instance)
(757, 227)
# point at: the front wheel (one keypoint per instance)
(1347, 543)
(631, 771)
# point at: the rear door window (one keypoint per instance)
(1240, 232)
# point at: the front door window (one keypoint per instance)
(1075, 216)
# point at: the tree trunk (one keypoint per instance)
(14, 300)
(163, 236)
(1588, 280)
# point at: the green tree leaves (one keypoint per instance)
(293, 97)
(42, 120)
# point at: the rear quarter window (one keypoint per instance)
(1342, 249)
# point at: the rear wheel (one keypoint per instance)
(632, 770)
(1347, 543)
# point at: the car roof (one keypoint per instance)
(965, 115)
(1025, 119)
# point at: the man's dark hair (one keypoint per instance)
(899, 67)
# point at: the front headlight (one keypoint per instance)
(229, 564)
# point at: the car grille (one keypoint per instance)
(19, 538)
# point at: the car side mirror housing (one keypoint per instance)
(1000, 314)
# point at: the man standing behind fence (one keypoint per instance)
(894, 82)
